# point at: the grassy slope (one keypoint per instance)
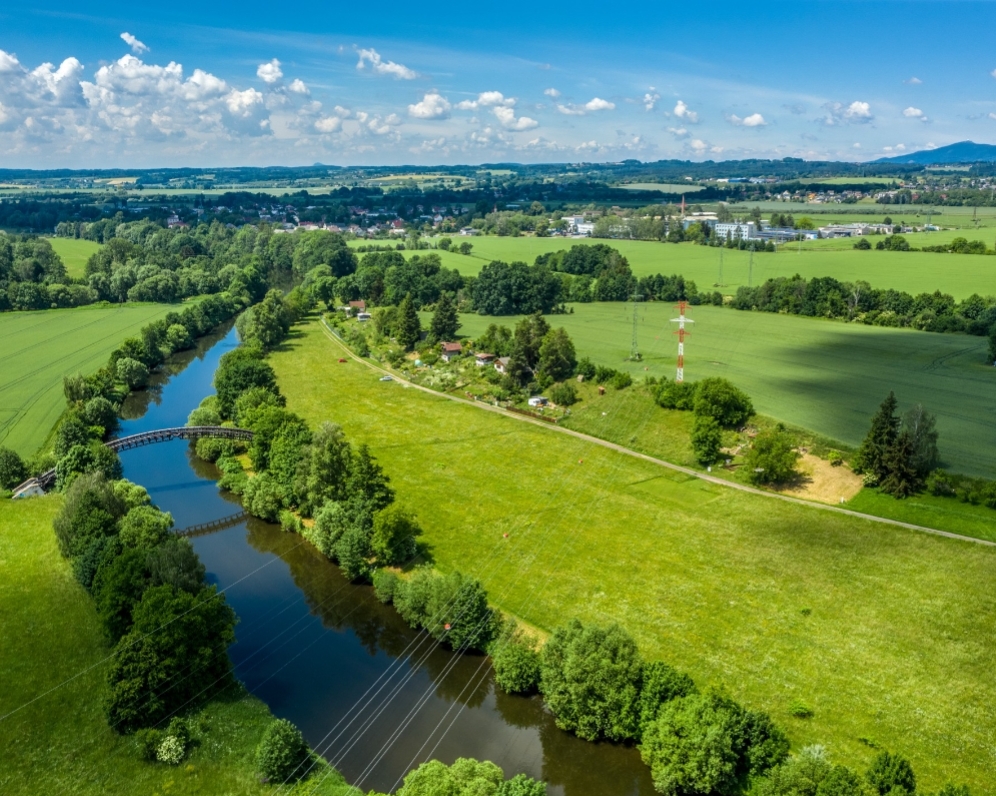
(825, 376)
(42, 347)
(61, 743)
(897, 647)
(74, 253)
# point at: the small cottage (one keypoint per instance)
(451, 351)
(501, 364)
(481, 359)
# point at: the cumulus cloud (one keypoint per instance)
(432, 106)
(506, 116)
(915, 113)
(856, 113)
(698, 145)
(754, 120)
(328, 124)
(678, 132)
(913, 81)
(137, 47)
(552, 93)
(650, 99)
(486, 99)
(270, 72)
(598, 104)
(897, 148)
(379, 66)
(298, 87)
(682, 111)
(570, 110)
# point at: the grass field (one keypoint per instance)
(74, 253)
(39, 348)
(666, 187)
(61, 743)
(821, 375)
(886, 634)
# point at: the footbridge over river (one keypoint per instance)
(37, 486)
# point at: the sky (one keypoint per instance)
(142, 85)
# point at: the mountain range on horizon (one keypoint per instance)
(961, 152)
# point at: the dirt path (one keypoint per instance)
(659, 462)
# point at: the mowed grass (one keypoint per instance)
(886, 634)
(53, 662)
(825, 376)
(74, 253)
(39, 348)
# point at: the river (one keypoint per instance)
(374, 697)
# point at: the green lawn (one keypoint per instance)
(886, 634)
(74, 253)
(39, 348)
(53, 642)
(826, 376)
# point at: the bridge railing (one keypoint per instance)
(46, 479)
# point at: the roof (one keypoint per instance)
(452, 347)
(483, 355)
(503, 360)
(361, 304)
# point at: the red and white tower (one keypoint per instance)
(681, 320)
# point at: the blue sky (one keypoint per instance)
(144, 85)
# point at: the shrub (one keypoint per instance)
(394, 533)
(889, 772)
(100, 412)
(204, 416)
(210, 449)
(719, 399)
(659, 684)
(145, 527)
(586, 368)
(771, 459)
(89, 511)
(590, 681)
(939, 484)
(676, 395)
(282, 754)
(800, 710)
(841, 781)
(621, 380)
(353, 552)
(517, 666)
(147, 744)
(263, 497)
(171, 751)
(72, 431)
(331, 522)
(131, 372)
(290, 522)
(707, 439)
(12, 469)
(452, 608)
(385, 585)
(521, 785)
(565, 394)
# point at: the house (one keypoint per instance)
(363, 316)
(501, 364)
(538, 400)
(468, 231)
(451, 351)
(358, 305)
(482, 359)
(742, 230)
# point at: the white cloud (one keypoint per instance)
(698, 145)
(487, 99)
(137, 47)
(754, 120)
(897, 148)
(678, 132)
(552, 93)
(913, 81)
(298, 87)
(9, 63)
(855, 146)
(650, 99)
(588, 146)
(432, 106)
(242, 103)
(506, 116)
(915, 113)
(382, 67)
(856, 113)
(270, 72)
(598, 104)
(328, 124)
(570, 110)
(682, 111)
(992, 115)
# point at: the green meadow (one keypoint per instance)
(39, 348)
(884, 633)
(53, 664)
(74, 253)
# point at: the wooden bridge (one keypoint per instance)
(35, 486)
(214, 525)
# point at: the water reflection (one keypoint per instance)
(316, 648)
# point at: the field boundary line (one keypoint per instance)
(651, 459)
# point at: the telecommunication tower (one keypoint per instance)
(681, 321)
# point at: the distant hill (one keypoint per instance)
(962, 152)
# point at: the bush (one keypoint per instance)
(586, 368)
(590, 681)
(171, 751)
(939, 484)
(210, 449)
(282, 754)
(676, 395)
(147, 744)
(100, 412)
(771, 459)
(385, 585)
(707, 439)
(394, 533)
(131, 372)
(621, 380)
(659, 684)
(72, 431)
(204, 416)
(517, 666)
(889, 772)
(719, 399)
(263, 497)
(353, 552)
(145, 527)
(13, 470)
(565, 394)
(90, 509)
(453, 608)
(174, 563)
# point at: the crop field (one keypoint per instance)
(39, 348)
(885, 634)
(915, 272)
(74, 253)
(61, 743)
(826, 376)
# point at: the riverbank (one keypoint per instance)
(53, 663)
(781, 602)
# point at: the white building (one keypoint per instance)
(743, 230)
